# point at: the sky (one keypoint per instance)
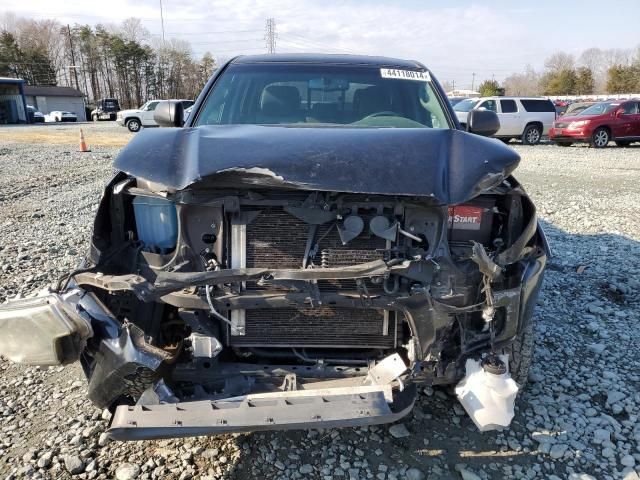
(454, 38)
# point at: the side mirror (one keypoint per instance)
(169, 113)
(483, 122)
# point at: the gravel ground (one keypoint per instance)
(578, 418)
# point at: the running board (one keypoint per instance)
(326, 408)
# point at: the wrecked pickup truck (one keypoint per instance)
(318, 239)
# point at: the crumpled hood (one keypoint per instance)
(451, 166)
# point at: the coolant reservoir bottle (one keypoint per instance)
(156, 223)
(488, 393)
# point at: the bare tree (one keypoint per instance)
(132, 30)
(559, 61)
(526, 83)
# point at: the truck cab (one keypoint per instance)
(106, 109)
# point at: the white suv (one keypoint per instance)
(135, 119)
(527, 118)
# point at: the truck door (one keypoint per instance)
(147, 115)
(509, 118)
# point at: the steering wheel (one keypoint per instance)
(385, 113)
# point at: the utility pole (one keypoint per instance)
(270, 35)
(473, 81)
(73, 58)
(453, 85)
(162, 21)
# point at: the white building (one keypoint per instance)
(48, 99)
(461, 92)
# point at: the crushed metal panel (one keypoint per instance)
(358, 160)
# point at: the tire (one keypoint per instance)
(564, 144)
(521, 354)
(531, 135)
(622, 144)
(133, 125)
(600, 138)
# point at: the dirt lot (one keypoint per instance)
(578, 418)
(102, 134)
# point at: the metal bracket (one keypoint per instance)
(386, 371)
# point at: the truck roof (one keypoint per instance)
(324, 58)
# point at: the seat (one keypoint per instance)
(326, 112)
(370, 100)
(279, 104)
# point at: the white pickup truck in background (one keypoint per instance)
(135, 119)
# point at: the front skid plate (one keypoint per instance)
(282, 412)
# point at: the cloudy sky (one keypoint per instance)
(455, 38)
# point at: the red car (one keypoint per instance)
(600, 123)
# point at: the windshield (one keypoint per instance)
(331, 95)
(599, 108)
(465, 105)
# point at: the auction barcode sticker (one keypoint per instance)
(405, 74)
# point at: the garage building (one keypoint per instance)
(12, 102)
(50, 99)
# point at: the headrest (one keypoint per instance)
(371, 100)
(280, 100)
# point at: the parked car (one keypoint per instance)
(576, 108)
(525, 118)
(320, 241)
(599, 124)
(135, 119)
(61, 116)
(35, 116)
(106, 109)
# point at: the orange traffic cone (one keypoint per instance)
(83, 144)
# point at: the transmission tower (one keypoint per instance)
(270, 35)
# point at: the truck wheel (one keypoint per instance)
(133, 125)
(531, 135)
(600, 138)
(521, 354)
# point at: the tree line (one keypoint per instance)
(594, 71)
(122, 61)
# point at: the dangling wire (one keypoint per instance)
(214, 312)
(489, 311)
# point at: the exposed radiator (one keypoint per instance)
(318, 327)
(276, 239)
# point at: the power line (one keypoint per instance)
(215, 33)
(216, 42)
(270, 35)
(162, 21)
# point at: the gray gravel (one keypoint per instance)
(578, 419)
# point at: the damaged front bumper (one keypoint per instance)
(298, 409)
